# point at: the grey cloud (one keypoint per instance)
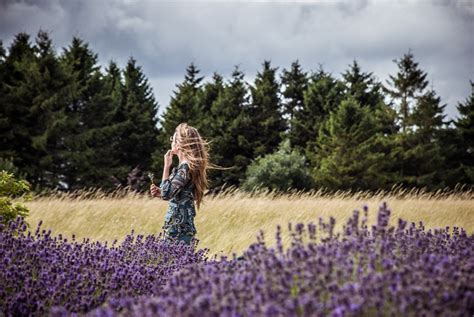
(167, 36)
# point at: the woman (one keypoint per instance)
(185, 184)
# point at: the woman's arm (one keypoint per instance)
(168, 160)
(166, 173)
(170, 187)
(156, 190)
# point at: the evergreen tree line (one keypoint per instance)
(65, 123)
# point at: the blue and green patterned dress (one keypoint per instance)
(179, 219)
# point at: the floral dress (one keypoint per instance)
(179, 219)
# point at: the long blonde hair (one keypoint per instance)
(196, 151)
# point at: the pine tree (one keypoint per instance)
(266, 111)
(3, 53)
(428, 116)
(15, 101)
(406, 87)
(207, 96)
(362, 86)
(138, 114)
(324, 95)
(465, 130)
(294, 83)
(231, 145)
(90, 143)
(418, 152)
(183, 105)
(85, 113)
(366, 90)
(34, 96)
(3, 56)
(48, 111)
(351, 152)
(112, 172)
(67, 126)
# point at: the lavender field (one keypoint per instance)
(363, 270)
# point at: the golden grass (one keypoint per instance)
(229, 222)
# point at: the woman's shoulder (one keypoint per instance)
(183, 170)
(183, 166)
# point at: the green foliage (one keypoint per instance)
(105, 133)
(230, 136)
(418, 152)
(353, 146)
(266, 112)
(184, 104)
(424, 157)
(49, 116)
(68, 126)
(465, 122)
(405, 88)
(366, 90)
(207, 117)
(458, 145)
(362, 86)
(184, 107)
(90, 127)
(222, 117)
(65, 124)
(282, 170)
(138, 114)
(323, 95)
(16, 96)
(9, 189)
(351, 151)
(6, 164)
(294, 84)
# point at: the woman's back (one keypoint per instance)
(179, 190)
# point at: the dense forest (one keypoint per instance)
(66, 123)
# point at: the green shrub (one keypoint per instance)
(282, 170)
(11, 188)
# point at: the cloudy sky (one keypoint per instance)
(166, 36)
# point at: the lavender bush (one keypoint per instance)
(38, 271)
(363, 271)
(377, 271)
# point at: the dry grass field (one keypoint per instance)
(230, 222)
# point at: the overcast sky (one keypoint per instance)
(166, 36)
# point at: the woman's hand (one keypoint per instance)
(155, 191)
(168, 159)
